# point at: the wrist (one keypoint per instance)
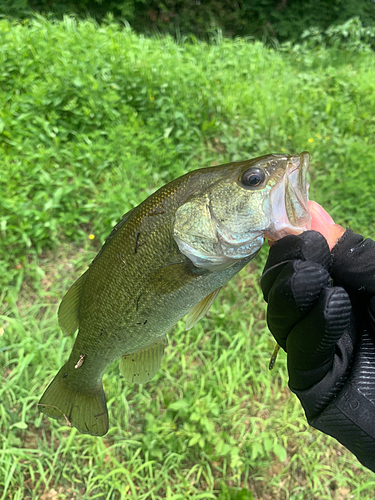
(316, 398)
(350, 419)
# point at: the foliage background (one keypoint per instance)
(267, 20)
(93, 119)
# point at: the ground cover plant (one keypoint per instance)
(93, 120)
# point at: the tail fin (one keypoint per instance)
(84, 409)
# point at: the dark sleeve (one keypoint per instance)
(350, 415)
(349, 387)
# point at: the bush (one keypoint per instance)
(93, 119)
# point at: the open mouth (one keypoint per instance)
(289, 200)
(296, 192)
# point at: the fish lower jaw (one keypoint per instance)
(228, 253)
(277, 234)
(282, 226)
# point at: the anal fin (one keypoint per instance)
(200, 309)
(141, 366)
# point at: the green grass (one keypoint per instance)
(92, 120)
(214, 415)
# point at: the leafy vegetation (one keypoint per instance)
(92, 120)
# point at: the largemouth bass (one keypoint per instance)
(166, 258)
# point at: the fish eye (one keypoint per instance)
(253, 177)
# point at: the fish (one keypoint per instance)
(165, 259)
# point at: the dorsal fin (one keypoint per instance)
(68, 310)
(200, 309)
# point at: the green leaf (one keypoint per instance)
(244, 494)
(167, 132)
(194, 440)
(280, 452)
(267, 443)
(20, 425)
(179, 405)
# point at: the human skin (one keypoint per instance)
(322, 222)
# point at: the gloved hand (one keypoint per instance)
(321, 311)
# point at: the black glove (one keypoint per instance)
(321, 310)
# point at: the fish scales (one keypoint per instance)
(128, 280)
(163, 260)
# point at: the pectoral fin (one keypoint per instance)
(141, 366)
(200, 309)
(68, 310)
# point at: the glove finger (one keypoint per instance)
(353, 265)
(293, 293)
(311, 343)
(308, 246)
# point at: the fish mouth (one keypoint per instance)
(289, 200)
